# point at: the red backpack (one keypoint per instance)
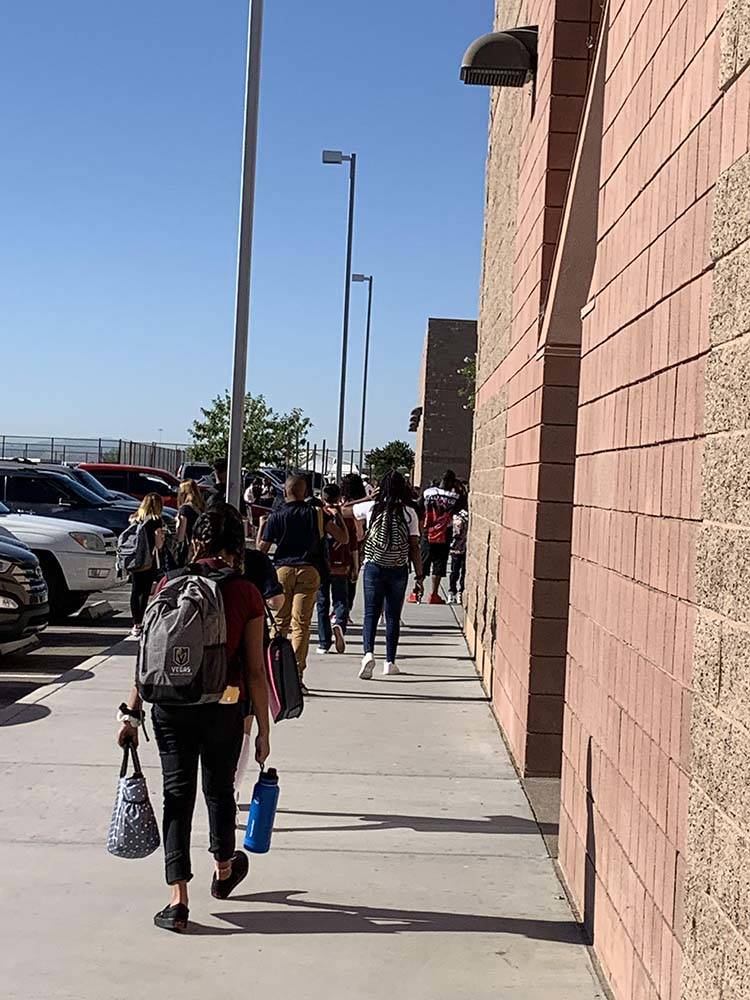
(339, 553)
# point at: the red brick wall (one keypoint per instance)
(637, 493)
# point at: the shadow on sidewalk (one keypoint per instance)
(309, 917)
(389, 696)
(420, 824)
(27, 713)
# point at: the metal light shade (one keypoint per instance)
(360, 277)
(501, 59)
(333, 156)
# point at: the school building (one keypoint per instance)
(609, 558)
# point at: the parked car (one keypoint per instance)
(135, 480)
(194, 470)
(77, 560)
(24, 608)
(30, 490)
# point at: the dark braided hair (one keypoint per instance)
(352, 487)
(220, 529)
(394, 496)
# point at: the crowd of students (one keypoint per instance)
(322, 547)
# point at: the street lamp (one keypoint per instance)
(245, 252)
(368, 279)
(336, 157)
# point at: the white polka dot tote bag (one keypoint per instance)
(133, 832)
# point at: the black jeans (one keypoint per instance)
(140, 591)
(458, 572)
(384, 587)
(184, 735)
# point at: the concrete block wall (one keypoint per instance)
(524, 431)
(717, 883)
(638, 483)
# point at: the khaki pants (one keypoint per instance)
(300, 585)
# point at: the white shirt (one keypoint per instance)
(363, 512)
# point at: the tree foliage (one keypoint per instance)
(468, 390)
(394, 455)
(270, 438)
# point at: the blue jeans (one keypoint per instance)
(384, 587)
(335, 588)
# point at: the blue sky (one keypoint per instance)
(119, 190)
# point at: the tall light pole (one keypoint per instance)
(368, 279)
(336, 156)
(245, 251)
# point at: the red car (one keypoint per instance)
(135, 480)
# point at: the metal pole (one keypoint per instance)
(314, 464)
(364, 379)
(347, 299)
(245, 251)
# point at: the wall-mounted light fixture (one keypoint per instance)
(502, 58)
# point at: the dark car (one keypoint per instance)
(30, 490)
(24, 608)
(194, 470)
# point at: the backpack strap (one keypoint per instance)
(321, 522)
(273, 625)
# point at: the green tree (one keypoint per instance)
(394, 455)
(469, 389)
(270, 438)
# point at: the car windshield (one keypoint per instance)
(3, 509)
(82, 493)
(92, 483)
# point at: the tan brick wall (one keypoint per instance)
(717, 883)
(627, 750)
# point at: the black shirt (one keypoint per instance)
(296, 530)
(220, 496)
(261, 571)
(191, 515)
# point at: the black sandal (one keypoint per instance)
(221, 888)
(172, 918)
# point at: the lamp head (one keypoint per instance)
(502, 58)
(333, 156)
(361, 277)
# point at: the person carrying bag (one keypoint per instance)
(133, 831)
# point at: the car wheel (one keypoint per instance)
(62, 603)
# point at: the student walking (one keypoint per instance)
(458, 552)
(343, 565)
(392, 540)
(148, 518)
(190, 506)
(209, 733)
(439, 503)
(298, 530)
(353, 490)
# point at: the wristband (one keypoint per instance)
(133, 716)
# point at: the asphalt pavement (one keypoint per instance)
(64, 647)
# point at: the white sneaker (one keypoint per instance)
(460, 598)
(368, 665)
(135, 632)
(451, 598)
(338, 638)
(322, 651)
(390, 670)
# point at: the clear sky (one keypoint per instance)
(119, 191)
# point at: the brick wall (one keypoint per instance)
(717, 885)
(524, 432)
(627, 744)
(445, 431)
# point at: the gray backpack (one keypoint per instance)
(182, 659)
(133, 550)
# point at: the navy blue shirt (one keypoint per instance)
(295, 529)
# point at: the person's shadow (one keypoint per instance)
(305, 916)
(419, 824)
(589, 883)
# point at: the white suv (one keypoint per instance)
(77, 559)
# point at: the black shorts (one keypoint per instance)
(439, 558)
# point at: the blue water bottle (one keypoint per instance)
(262, 812)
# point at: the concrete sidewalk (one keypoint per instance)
(405, 863)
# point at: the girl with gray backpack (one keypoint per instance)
(201, 665)
(139, 554)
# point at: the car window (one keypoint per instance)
(152, 484)
(114, 479)
(35, 489)
(90, 482)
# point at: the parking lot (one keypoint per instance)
(64, 647)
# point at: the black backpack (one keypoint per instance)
(285, 699)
